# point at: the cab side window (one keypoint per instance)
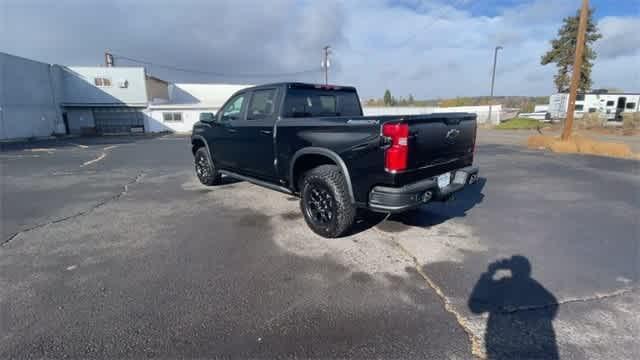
(233, 109)
(262, 104)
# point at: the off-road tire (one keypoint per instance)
(330, 182)
(205, 169)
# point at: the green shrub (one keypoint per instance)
(519, 123)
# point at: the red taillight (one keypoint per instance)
(396, 155)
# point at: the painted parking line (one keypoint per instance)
(102, 156)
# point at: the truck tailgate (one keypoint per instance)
(436, 140)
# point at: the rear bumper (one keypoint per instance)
(400, 199)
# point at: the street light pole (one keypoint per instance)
(325, 63)
(493, 78)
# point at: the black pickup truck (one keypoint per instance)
(313, 141)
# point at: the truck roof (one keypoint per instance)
(300, 85)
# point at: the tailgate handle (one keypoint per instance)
(453, 121)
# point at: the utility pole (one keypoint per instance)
(108, 59)
(325, 63)
(493, 79)
(577, 66)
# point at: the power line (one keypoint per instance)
(212, 73)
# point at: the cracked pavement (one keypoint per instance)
(129, 256)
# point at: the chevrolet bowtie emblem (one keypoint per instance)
(452, 134)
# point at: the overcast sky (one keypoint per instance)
(427, 48)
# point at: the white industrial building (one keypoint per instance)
(186, 102)
(609, 105)
(41, 100)
(29, 106)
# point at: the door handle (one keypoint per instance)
(265, 132)
(231, 130)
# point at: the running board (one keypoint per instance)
(256, 181)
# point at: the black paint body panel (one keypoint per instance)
(268, 149)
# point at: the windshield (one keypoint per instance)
(321, 102)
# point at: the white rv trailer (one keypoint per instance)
(609, 105)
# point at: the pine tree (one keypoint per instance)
(563, 50)
(388, 99)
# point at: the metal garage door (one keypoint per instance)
(118, 120)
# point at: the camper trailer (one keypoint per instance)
(609, 105)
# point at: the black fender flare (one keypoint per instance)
(206, 145)
(331, 155)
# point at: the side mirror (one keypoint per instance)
(207, 117)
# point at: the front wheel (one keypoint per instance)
(325, 201)
(206, 171)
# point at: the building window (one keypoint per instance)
(592, 110)
(579, 107)
(102, 82)
(631, 106)
(580, 97)
(172, 117)
(610, 103)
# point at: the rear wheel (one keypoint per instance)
(206, 171)
(325, 201)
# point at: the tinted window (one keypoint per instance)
(232, 110)
(631, 105)
(319, 102)
(610, 103)
(592, 110)
(579, 107)
(580, 97)
(262, 104)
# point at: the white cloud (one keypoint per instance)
(427, 48)
(620, 37)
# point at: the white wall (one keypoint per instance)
(190, 100)
(154, 121)
(28, 105)
(481, 111)
(79, 87)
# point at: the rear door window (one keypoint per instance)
(321, 102)
(262, 104)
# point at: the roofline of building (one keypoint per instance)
(89, 105)
(600, 93)
(183, 106)
(157, 79)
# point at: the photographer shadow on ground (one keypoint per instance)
(520, 309)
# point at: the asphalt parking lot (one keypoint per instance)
(112, 249)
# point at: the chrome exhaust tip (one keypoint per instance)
(473, 179)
